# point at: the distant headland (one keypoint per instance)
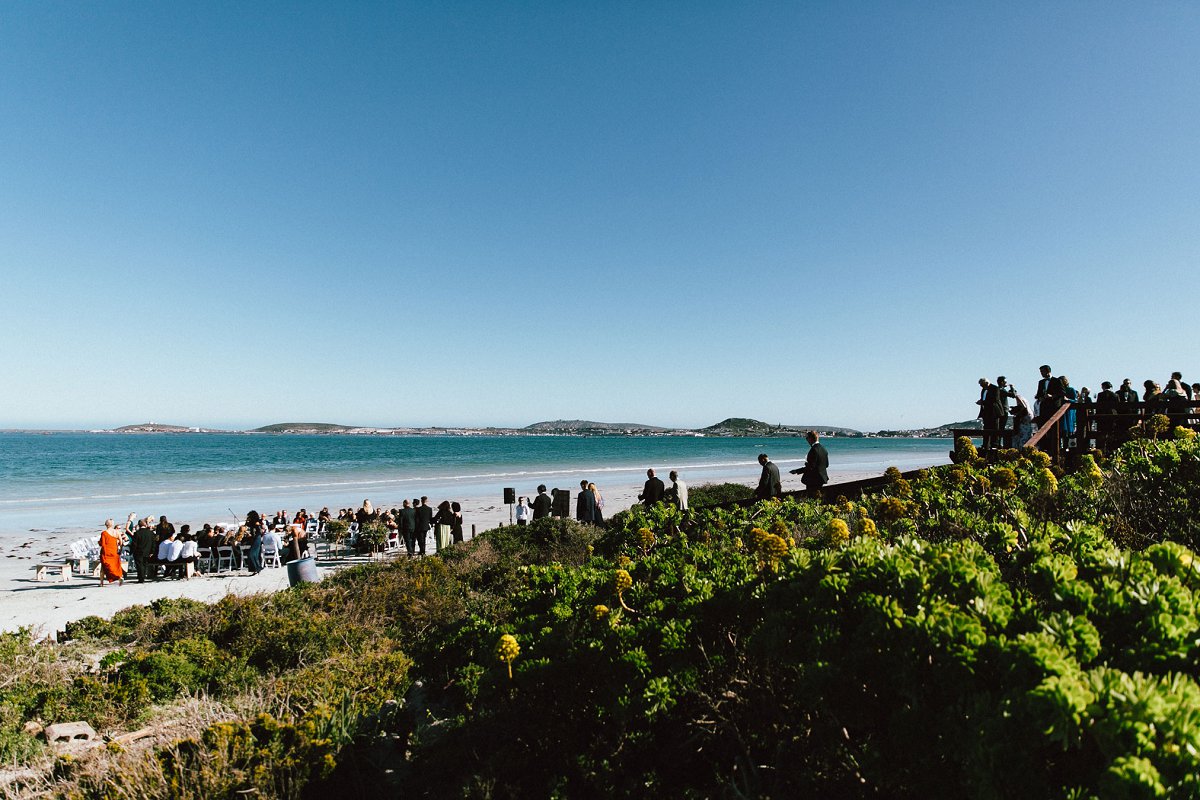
(743, 427)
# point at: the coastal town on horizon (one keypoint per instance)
(732, 427)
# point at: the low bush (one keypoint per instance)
(709, 494)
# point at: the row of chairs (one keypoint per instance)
(84, 554)
(222, 559)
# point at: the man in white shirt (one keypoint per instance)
(188, 550)
(164, 549)
(271, 542)
(169, 551)
(679, 489)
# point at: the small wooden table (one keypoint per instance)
(59, 571)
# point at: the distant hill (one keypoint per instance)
(940, 431)
(588, 426)
(741, 426)
(302, 427)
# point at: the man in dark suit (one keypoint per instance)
(769, 484)
(815, 472)
(542, 503)
(1048, 396)
(993, 409)
(653, 490)
(145, 545)
(424, 522)
(407, 523)
(585, 504)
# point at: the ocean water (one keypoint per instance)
(68, 480)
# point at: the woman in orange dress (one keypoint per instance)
(111, 568)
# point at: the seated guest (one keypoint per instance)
(187, 555)
(271, 541)
(169, 550)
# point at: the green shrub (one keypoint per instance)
(707, 494)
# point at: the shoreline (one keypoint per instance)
(46, 607)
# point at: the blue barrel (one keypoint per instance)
(303, 570)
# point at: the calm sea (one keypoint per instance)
(67, 480)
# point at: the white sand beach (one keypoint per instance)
(47, 606)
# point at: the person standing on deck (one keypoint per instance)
(1127, 399)
(993, 410)
(1046, 399)
(1022, 417)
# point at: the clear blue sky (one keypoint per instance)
(233, 214)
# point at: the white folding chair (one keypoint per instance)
(270, 558)
(225, 559)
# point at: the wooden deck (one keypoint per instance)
(1093, 430)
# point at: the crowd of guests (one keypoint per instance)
(1115, 411)
(589, 502)
(159, 550)
(412, 522)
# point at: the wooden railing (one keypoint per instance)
(1093, 429)
(1052, 430)
(829, 493)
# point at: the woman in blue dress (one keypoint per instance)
(1069, 395)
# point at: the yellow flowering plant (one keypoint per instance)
(507, 650)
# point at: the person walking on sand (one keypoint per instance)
(542, 504)
(406, 520)
(424, 522)
(111, 568)
(653, 490)
(769, 484)
(815, 472)
(585, 504)
(679, 491)
(598, 514)
(144, 548)
(456, 526)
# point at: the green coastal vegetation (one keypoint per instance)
(992, 628)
